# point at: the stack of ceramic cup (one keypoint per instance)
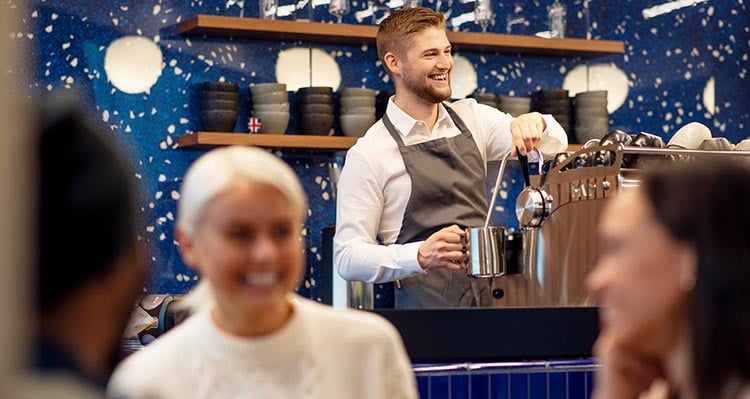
(357, 110)
(219, 104)
(489, 99)
(557, 104)
(514, 105)
(591, 115)
(271, 106)
(315, 110)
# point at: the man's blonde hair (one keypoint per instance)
(395, 30)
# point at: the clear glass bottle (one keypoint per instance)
(556, 19)
(268, 9)
(483, 13)
(338, 8)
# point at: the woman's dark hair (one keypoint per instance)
(86, 205)
(706, 204)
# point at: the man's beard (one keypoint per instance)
(424, 91)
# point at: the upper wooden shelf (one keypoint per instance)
(289, 141)
(213, 25)
(292, 141)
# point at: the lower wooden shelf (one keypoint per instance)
(288, 141)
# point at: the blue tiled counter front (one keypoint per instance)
(564, 379)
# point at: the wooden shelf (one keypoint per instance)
(292, 141)
(212, 25)
(289, 141)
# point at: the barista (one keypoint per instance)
(417, 177)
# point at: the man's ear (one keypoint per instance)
(392, 63)
(186, 247)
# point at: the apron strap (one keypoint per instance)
(393, 131)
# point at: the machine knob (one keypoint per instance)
(533, 206)
(498, 293)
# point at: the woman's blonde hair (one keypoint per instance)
(220, 170)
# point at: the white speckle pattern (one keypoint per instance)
(668, 83)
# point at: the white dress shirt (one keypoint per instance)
(374, 188)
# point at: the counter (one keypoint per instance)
(495, 334)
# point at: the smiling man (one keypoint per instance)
(417, 178)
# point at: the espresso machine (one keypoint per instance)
(558, 213)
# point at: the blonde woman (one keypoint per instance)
(239, 225)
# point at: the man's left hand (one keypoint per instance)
(526, 131)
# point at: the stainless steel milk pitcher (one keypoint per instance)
(486, 245)
(486, 249)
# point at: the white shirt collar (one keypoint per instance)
(406, 125)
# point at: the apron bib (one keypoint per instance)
(447, 187)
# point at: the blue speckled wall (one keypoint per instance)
(669, 60)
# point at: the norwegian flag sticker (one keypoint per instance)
(253, 125)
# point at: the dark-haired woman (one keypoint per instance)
(673, 283)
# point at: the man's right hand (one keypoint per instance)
(443, 249)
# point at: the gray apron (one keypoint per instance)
(447, 187)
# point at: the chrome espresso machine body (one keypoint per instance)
(558, 214)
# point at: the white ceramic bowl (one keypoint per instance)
(743, 145)
(690, 136)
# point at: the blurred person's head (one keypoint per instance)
(89, 270)
(415, 51)
(239, 224)
(674, 270)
